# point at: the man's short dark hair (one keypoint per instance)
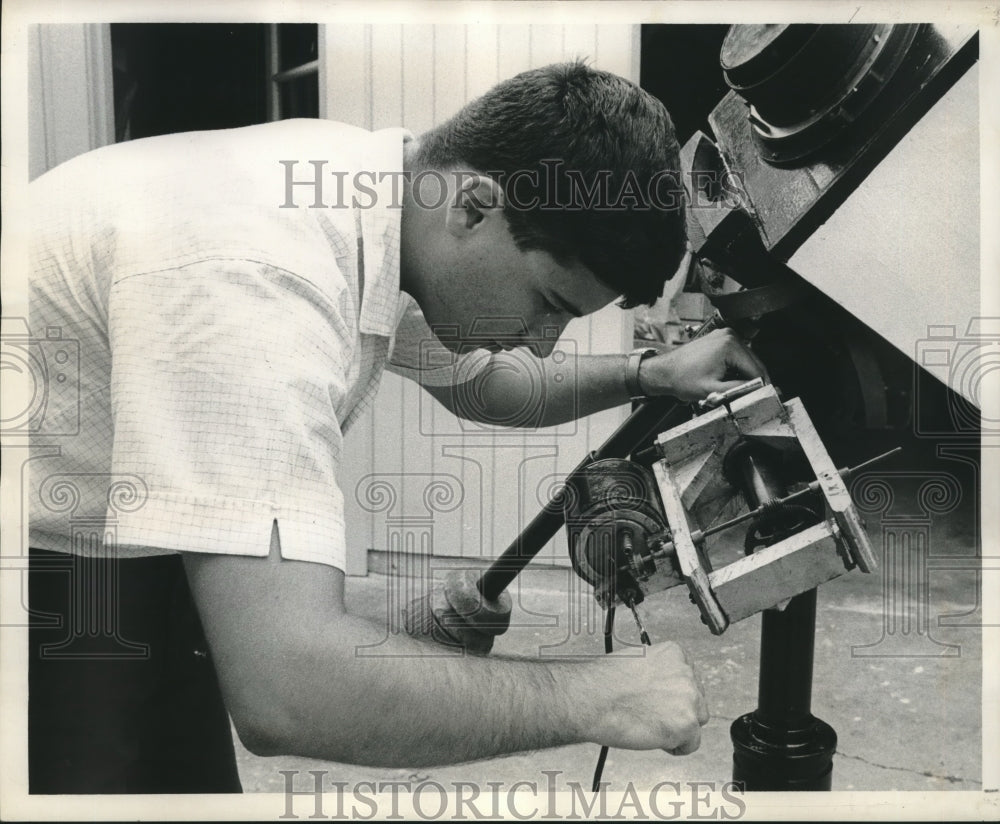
(589, 166)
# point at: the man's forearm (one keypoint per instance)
(302, 676)
(360, 697)
(545, 392)
(581, 385)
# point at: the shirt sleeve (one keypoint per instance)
(418, 355)
(227, 381)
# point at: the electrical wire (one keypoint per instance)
(609, 625)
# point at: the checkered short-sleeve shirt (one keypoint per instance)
(228, 333)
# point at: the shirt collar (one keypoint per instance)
(380, 230)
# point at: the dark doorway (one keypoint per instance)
(680, 66)
(178, 77)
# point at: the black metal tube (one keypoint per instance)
(780, 745)
(784, 692)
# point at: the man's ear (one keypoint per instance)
(476, 198)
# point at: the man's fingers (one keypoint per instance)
(741, 358)
(701, 708)
(682, 652)
(690, 745)
(677, 651)
(700, 703)
(724, 386)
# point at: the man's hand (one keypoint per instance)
(456, 613)
(714, 363)
(649, 702)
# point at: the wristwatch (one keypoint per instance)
(636, 357)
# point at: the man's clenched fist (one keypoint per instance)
(648, 702)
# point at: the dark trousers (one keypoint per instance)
(123, 696)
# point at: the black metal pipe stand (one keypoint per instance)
(779, 746)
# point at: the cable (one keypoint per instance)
(609, 624)
(596, 786)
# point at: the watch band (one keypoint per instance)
(632, 362)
